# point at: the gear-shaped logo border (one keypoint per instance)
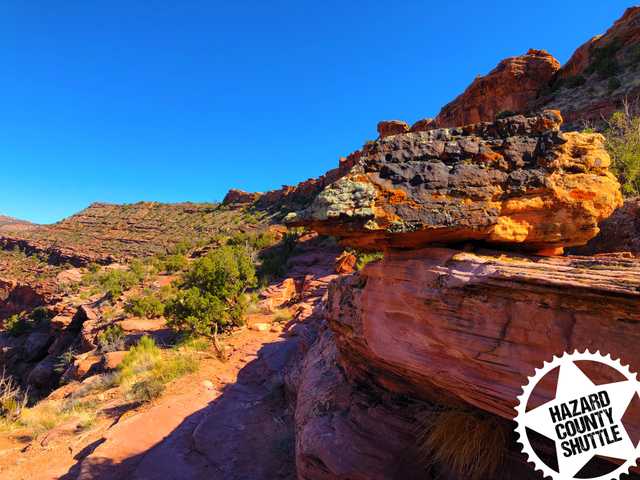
(533, 381)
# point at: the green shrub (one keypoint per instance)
(181, 248)
(17, 324)
(114, 282)
(64, 361)
(174, 263)
(363, 258)
(147, 389)
(622, 139)
(273, 260)
(40, 314)
(603, 60)
(212, 292)
(111, 339)
(147, 305)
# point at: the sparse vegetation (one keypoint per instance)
(145, 369)
(111, 339)
(273, 260)
(603, 60)
(12, 399)
(470, 443)
(113, 282)
(21, 323)
(147, 305)
(174, 263)
(622, 139)
(64, 361)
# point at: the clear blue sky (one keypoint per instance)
(122, 101)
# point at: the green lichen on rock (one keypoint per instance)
(345, 197)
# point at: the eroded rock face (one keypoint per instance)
(599, 76)
(516, 181)
(445, 325)
(512, 86)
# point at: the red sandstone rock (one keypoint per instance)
(512, 86)
(424, 125)
(392, 127)
(235, 196)
(442, 324)
(599, 76)
(346, 263)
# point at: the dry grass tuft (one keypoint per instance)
(470, 443)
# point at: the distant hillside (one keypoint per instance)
(10, 223)
(105, 232)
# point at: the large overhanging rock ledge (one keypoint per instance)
(437, 323)
(516, 181)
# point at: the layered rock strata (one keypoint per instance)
(450, 326)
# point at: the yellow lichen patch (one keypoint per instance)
(583, 150)
(598, 195)
(524, 204)
(509, 229)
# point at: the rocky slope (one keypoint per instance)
(516, 181)
(12, 224)
(513, 86)
(105, 233)
(600, 75)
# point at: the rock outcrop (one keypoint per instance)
(512, 86)
(235, 197)
(599, 76)
(620, 233)
(448, 326)
(517, 181)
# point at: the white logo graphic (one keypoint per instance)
(583, 419)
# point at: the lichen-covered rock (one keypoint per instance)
(512, 86)
(516, 181)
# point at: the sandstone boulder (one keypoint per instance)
(512, 86)
(516, 181)
(449, 326)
